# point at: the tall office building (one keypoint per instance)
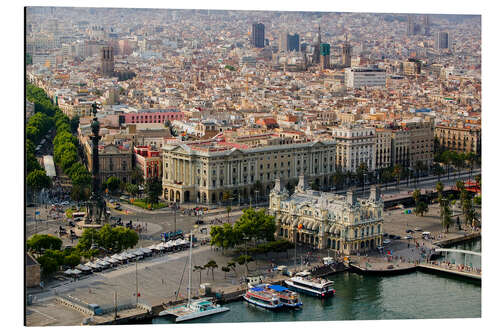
(283, 41)
(325, 55)
(410, 29)
(293, 42)
(442, 40)
(346, 53)
(427, 25)
(317, 45)
(107, 61)
(258, 35)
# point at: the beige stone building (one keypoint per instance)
(421, 140)
(325, 220)
(202, 171)
(459, 138)
(114, 160)
(355, 145)
(32, 272)
(400, 148)
(383, 149)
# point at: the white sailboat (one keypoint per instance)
(193, 309)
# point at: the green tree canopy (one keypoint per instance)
(114, 239)
(38, 179)
(72, 260)
(153, 189)
(74, 122)
(48, 265)
(256, 224)
(133, 189)
(32, 163)
(113, 184)
(39, 242)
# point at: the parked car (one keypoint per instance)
(408, 231)
(418, 229)
(408, 237)
(386, 241)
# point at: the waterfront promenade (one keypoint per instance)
(159, 277)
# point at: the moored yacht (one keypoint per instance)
(304, 283)
(193, 308)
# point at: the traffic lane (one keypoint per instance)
(183, 222)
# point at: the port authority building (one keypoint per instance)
(328, 221)
(202, 171)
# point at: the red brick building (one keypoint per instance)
(149, 161)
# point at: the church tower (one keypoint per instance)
(346, 53)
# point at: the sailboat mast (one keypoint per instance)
(190, 266)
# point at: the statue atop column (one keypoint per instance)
(96, 206)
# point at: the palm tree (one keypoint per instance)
(445, 213)
(439, 188)
(416, 196)
(232, 265)
(447, 159)
(200, 269)
(211, 264)
(225, 269)
(419, 167)
(470, 158)
(397, 173)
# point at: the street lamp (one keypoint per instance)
(174, 208)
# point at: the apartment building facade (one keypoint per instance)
(459, 138)
(355, 145)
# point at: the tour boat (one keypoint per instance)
(193, 309)
(304, 283)
(259, 296)
(286, 296)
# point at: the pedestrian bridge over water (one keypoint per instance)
(458, 251)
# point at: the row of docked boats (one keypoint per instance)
(274, 297)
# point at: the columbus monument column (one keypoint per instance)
(96, 206)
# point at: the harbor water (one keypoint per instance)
(411, 296)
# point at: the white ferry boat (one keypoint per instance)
(304, 283)
(263, 298)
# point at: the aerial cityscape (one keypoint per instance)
(213, 166)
